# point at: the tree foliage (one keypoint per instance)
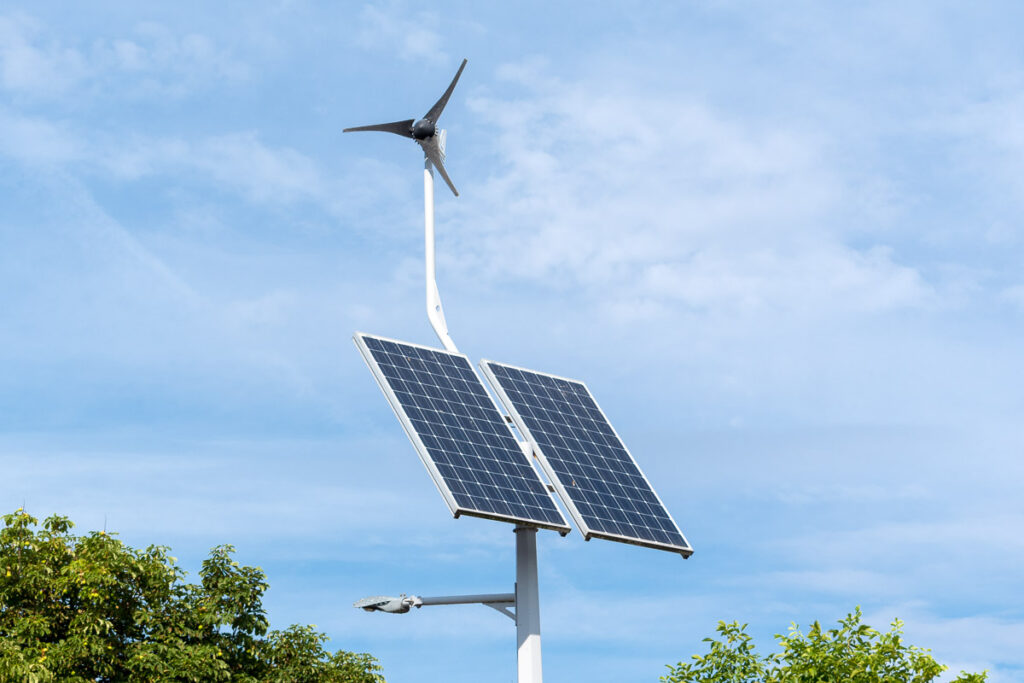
(90, 608)
(853, 653)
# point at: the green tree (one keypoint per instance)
(89, 608)
(852, 653)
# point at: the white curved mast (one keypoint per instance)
(435, 312)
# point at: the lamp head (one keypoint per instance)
(384, 603)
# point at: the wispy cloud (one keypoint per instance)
(394, 29)
(238, 161)
(151, 61)
(964, 643)
(989, 132)
(171, 62)
(718, 212)
(968, 541)
(34, 64)
(808, 493)
(1015, 296)
(36, 141)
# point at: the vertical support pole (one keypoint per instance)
(434, 311)
(527, 606)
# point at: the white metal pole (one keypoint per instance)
(434, 311)
(527, 606)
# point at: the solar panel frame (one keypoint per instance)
(552, 475)
(424, 453)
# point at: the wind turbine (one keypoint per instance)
(432, 140)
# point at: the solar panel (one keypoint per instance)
(595, 476)
(466, 445)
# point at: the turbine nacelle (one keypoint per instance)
(424, 130)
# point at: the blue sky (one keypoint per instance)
(782, 244)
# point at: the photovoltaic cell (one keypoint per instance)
(465, 443)
(596, 477)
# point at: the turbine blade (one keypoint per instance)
(433, 152)
(435, 112)
(403, 128)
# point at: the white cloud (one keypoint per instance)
(808, 493)
(1014, 295)
(656, 199)
(262, 173)
(392, 29)
(842, 581)
(153, 61)
(984, 134)
(821, 277)
(35, 141)
(31, 64)
(238, 161)
(157, 61)
(979, 642)
(898, 541)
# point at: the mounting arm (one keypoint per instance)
(400, 605)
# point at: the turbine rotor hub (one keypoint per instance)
(423, 129)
